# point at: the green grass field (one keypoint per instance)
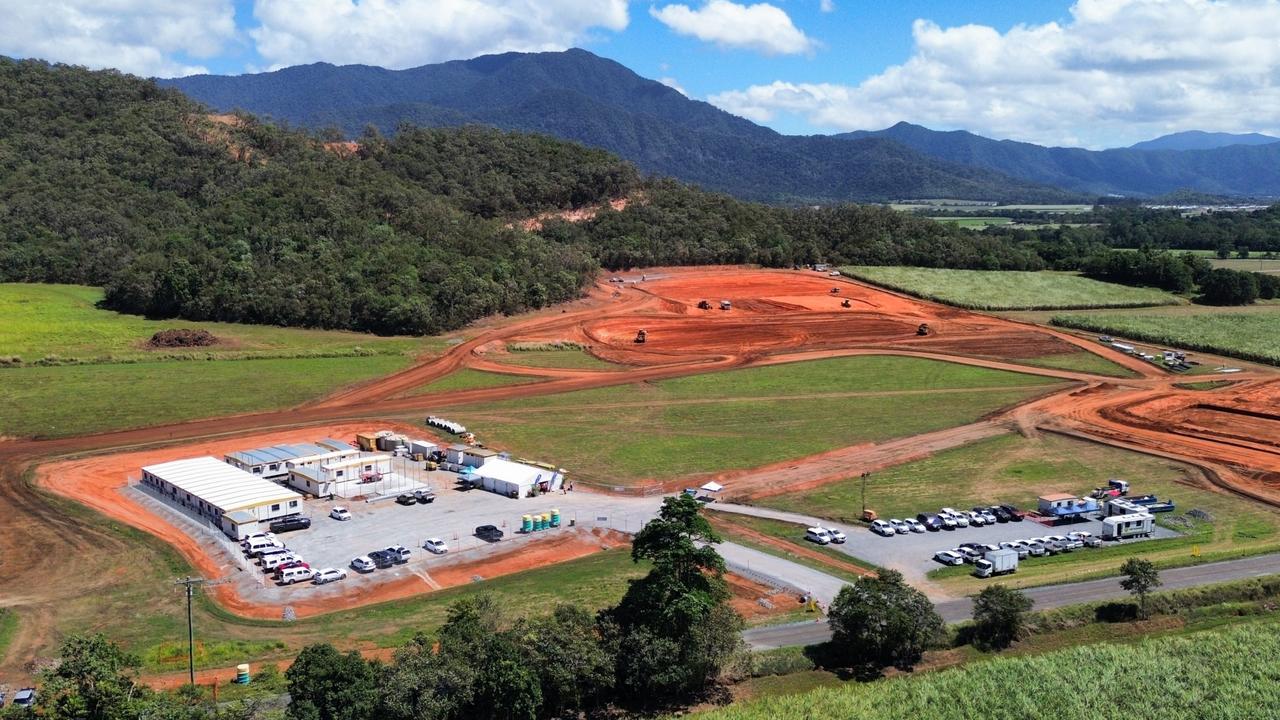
(1081, 361)
(1016, 470)
(1008, 290)
(1259, 265)
(79, 399)
(468, 379)
(1252, 335)
(62, 321)
(973, 222)
(8, 626)
(568, 359)
(743, 418)
(738, 529)
(1201, 676)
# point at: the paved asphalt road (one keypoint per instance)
(758, 565)
(1047, 597)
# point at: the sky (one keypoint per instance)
(1090, 73)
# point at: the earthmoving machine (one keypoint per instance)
(846, 303)
(704, 305)
(726, 305)
(923, 329)
(641, 336)
(835, 291)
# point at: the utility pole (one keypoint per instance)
(864, 493)
(190, 583)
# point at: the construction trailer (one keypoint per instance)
(1120, 527)
(1065, 506)
(234, 500)
(468, 456)
(337, 476)
(270, 462)
(516, 480)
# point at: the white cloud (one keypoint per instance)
(673, 84)
(827, 6)
(145, 37)
(407, 33)
(1117, 71)
(761, 27)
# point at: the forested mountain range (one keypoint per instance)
(110, 180)
(578, 96)
(1200, 140)
(1249, 170)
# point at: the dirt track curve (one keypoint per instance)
(1233, 433)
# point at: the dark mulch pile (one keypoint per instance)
(182, 337)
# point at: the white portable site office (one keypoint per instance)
(232, 498)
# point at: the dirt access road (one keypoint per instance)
(777, 316)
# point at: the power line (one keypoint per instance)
(190, 584)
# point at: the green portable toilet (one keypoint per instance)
(555, 517)
(242, 674)
(526, 523)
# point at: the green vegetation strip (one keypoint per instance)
(1248, 336)
(59, 324)
(8, 628)
(561, 358)
(468, 379)
(744, 418)
(1081, 362)
(1008, 290)
(80, 399)
(1222, 674)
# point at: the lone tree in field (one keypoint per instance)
(881, 621)
(1140, 579)
(674, 629)
(999, 613)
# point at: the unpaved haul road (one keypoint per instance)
(777, 316)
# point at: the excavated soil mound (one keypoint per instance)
(182, 338)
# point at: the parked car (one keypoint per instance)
(1035, 548)
(882, 527)
(948, 522)
(1023, 551)
(969, 545)
(975, 518)
(424, 496)
(340, 513)
(291, 564)
(363, 564)
(399, 553)
(328, 575)
(971, 554)
(1014, 513)
(836, 536)
(960, 519)
(916, 526)
(436, 545)
(1066, 542)
(272, 551)
(406, 499)
(1001, 514)
(25, 698)
(271, 563)
(899, 526)
(1086, 539)
(295, 574)
(489, 533)
(930, 521)
(987, 515)
(382, 559)
(258, 536)
(818, 535)
(948, 557)
(289, 524)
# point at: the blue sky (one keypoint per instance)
(1092, 73)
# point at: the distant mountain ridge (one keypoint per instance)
(579, 96)
(1231, 170)
(1201, 140)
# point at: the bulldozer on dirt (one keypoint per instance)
(835, 291)
(923, 329)
(641, 336)
(704, 305)
(845, 303)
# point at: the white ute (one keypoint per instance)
(817, 535)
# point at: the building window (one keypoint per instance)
(275, 508)
(293, 503)
(257, 471)
(275, 467)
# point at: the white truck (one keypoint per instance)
(1120, 527)
(996, 562)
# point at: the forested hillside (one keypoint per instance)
(110, 180)
(578, 96)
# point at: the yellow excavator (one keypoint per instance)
(641, 336)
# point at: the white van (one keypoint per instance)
(274, 561)
(257, 545)
(817, 535)
(292, 575)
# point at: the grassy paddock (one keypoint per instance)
(1008, 290)
(1245, 335)
(56, 324)
(568, 358)
(744, 418)
(1016, 470)
(8, 628)
(79, 399)
(1081, 361)
(468, 379)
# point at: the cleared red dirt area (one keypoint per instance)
(776, 317)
